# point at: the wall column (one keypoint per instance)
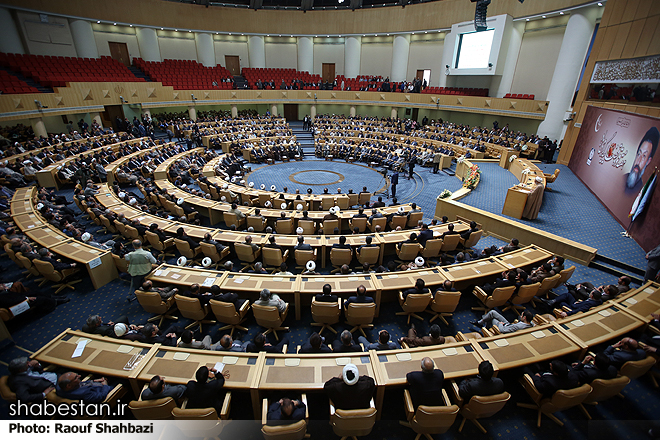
(96, 116)
(192, 113)
(205, 49)
(257, 51)
(447, 54)
(38, 127)
(11, 40)
(352, 111)
(273, 110)
(148, 43)
(400, 51)
(234, 111)
(394, 113)
(305, 54)
(506, 80)
(352, 52)
(83, 38)
(574, 47)
(312, 112)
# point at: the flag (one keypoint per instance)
(640, 196)
(646, 197)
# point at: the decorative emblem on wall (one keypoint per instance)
(119, 90)
(610, 151)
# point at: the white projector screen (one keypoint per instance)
(474, 49)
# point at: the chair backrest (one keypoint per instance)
(209, 250)
(364, 198)
(256, 222)
(603, 389)
(445, 302)
(339, 257)
(131, 232)
(485, 406)
(266, 316)
(360, 313)
(263, 198)
(565, 275)
(398, 220)
(414, 218)
(549, 178)
(194, 414)
(547, 284)
(10, 252)
(635, 369)
(109, 226)
(151, 302)
(369, 255)
(302, 257)
(214, 193)
(564, 399)
(499, 297)
(525, 293)
(417, 302)
(184, 248)
(293, 431)
(326, 312)
(380, 221)
(353, 199)
(121, 263)
(5, 392)
(26, 263)
(159, 409)
(225, 312)
(360, 223)
(329, 226)
(450, 242)
(47, 271)
(231, 219)
(409, 251)
(120, 227)
(343, 201)
(434, 419)
(272, 257)
(473, 239)
(432, 248)
(244, 252)
(190, 308)
(354, 422)
(308, 226)
(284, 227)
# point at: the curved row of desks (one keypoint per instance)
(259, 373)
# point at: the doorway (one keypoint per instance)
(291, 112)
(328, 72)
(424, 74)
(233, 64)
(119, 52)
(109, 116)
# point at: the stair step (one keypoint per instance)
(626, 267)
(616, 272)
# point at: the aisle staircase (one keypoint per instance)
(304, 137)
(139, 73)
(28, 81)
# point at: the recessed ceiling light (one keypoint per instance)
(130, 25)
(388, 35)
(189, 31)
(426, 32)
(413, 33)
(230, 33)
(161, 29)
(176, 30)
(527, 19)
(217, 33)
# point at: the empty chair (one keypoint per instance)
(352, 422)
(284, 227)
(329, 226)
(5, 392)
(360, 223)
(603, 389)
(160, 246)
(109, 227)
(339, 257)
(59, 277)
(270, 318)
(443, 305)
(380, 221)
(191, 308)
(479, 407)
(498, 298)
(325, 314)
(302, 257)
(414, 303)
(194, 414)
(360, 315)
(524, 295)
(133, 234)
(151, 302)
(635, 369)
(408, 251)
(258, 223)
(368, 255)
(158, 409)
(308, 226)
(565, 275)
(429, 420)
(27, 264)
(560, 400)
(245, 253)
(184, 249)
(226, 313)
(550, 178)
(211, 251)
(450, 242)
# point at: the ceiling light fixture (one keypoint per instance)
(98, 21)
(543, 16)
(600, 4)
(561, 12)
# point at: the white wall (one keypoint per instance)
(177, 47)
(426, 55)
(536, 63)
(376, 58)
(46, 38)
(281, 52)
(231, 46)
(329, 53)
(104, 33)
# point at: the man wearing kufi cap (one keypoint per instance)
(350, 390)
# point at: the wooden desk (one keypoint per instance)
(20, 207)
(46, 236)
(161, 171)
(406, 279)
(523, 348)
(472, 271)
(101, 356)
(252, 284)
(641, 302)
(186, 276)
(524, 257)
(515, 202)
(99, 263)
(342, 286)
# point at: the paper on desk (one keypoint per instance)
(80, 347)
(176, 269)
(604, 313)
(649, 290)
(244, 277)
(402, 357)
(30, 226)
(451, 351)
(393, 276)
(180, 356)
(124, 349)
(481, 263)
(294, 362)
(158, 273)
(510, 266)
(278, 279)
(219, 367)
(343, 361)
(353, 278)
(538, 334)
(476, 270)
(424, 272)
(95, 263)
(176, 276)
(206, 274)
(577, 323)
(229, 360)
(319, 280)
(208, 282)
(501, 342)
(239, 280)
(631, 301)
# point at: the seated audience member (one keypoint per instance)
(558, 377)
(327, 295)
(260, 343)
(581, 291)
(345, 344)
(433, 338)
(302, 246)
(71, 387)
(258, 268)
(342, 243)
(266, 298)
(208, 240)
(592, 368)
(512, 246)
(426, 385)
(539, 274)
(181, 235)
(350, 390)
(507, 279)
(383, 342)
(96, 326)
(450, 231)
(425, 234)
(447, 286)
(286, 411)
(206, 391)
(151, 334)
(12, 294)
(164, 292)
(503, 325)
(228, 297)
(482, 385)
(28, 380)
(566, 299)
(314, 345)
(227, 343)
(360, 298)
(284, 270)
(187, 341)
(158, 389)
(473, 228)
(623, 351)
(420, 288)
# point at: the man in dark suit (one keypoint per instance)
(623, 351)
(314, 345)
(426, 385)
(260, 343)
(433, 338)
(592, 368)
(566, 299)
(29, 381)
(286, 411)
(345, 343)
(424, 235)
(559, 377)
(327, 295)
(342, 243)
(394, 180)
(360, 298)
(350, 390)
(473, 228)
(379, 203)
(482, 385)
(158, 389)
(96, 326)
(450, 231)
(206, 390)
(302, 245)
(151, 334)
(228, 297)
(420, 288)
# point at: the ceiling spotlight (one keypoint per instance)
(600, 4)
(115, 24)
(98, 21)
(217, 33)
(130, 25)
(561, 12)
(527, 19)
(176, 30)
(341, 1)
(189, 31)
(543, 16)
(161, 29)
(426, 32)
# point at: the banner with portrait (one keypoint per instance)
(614, 155)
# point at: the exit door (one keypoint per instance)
(119, 52)
(328, 72)
(233, 64)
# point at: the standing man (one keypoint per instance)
(140, 263)
(653, 265)
(395, 182)
(437, 157)
(411, 167)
